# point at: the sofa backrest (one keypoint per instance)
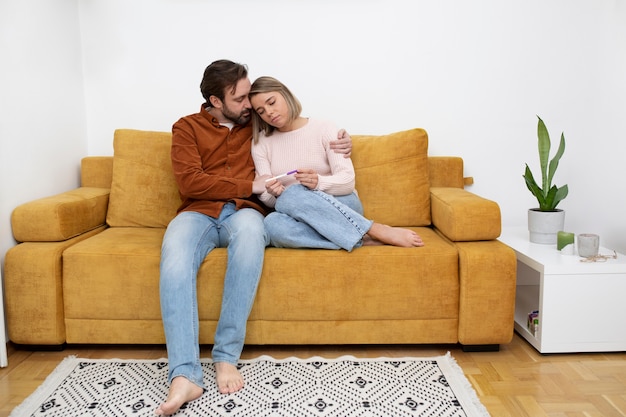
(143, 190)
(391, 178)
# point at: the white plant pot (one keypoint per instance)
(544, 225)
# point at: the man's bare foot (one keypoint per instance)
(182, 391)
(395, 236)
(229, 379)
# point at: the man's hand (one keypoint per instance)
(343, 144)
(258, 185)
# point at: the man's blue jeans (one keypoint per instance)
(315, 219)
(189, 237)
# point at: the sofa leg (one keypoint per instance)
(480, 348)
(40, 348)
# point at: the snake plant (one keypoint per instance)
(548, 195)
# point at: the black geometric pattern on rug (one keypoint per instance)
(292, 387)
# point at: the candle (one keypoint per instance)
(565, 242)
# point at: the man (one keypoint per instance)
(216, 178)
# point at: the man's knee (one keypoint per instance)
(249, 224)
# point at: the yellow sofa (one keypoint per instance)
(87, 267)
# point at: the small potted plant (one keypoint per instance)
(545, 221)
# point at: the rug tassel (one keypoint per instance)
(40, 394)
(464, 382)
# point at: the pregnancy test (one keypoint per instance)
(282, 175)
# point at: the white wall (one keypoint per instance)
(473, 74)
(42, 106)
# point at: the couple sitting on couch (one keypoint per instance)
(224, 203)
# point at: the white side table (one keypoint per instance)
(3, 340)
(581, 305)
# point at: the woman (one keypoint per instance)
(315, 202)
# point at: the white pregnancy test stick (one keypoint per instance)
(282, 175)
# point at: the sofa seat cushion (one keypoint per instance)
(114, 276)
(370, 283)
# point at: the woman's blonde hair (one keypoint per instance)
(268, 85)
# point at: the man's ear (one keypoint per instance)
(215, 102)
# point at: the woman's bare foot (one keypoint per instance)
(229, 379)
(182, 391)
(395, 236)
(369, 241)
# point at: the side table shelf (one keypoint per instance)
(580, 304)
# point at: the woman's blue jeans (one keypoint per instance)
(189, 237)
(314, 219)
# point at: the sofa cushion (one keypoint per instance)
(410, 295)
(463, 216)
(143, 191)
(392, 177)
(60, 217)
(386, 283)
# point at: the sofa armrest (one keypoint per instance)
(487, 279)
(60, 217)
(462, 216)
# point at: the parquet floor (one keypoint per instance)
(517, 381)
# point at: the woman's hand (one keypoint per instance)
(274, 187)
(308, 178)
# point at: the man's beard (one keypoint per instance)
(241, 119)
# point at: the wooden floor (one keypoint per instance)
(516, 381)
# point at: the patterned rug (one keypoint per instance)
(316, 387)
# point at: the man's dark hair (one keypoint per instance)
(219, 76)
